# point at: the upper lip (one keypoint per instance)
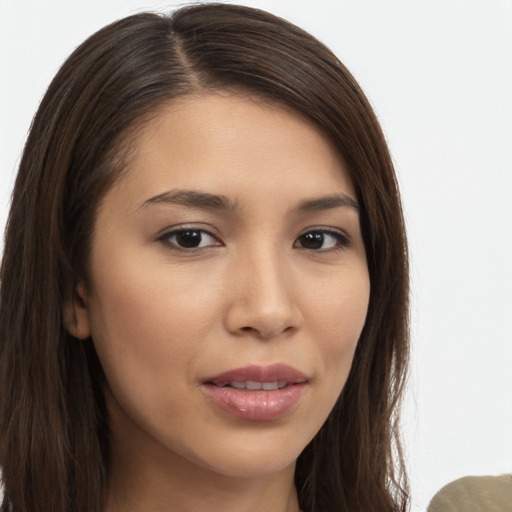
(257, 373)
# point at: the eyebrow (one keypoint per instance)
(205, 200)
(193, 199)
(327, 203)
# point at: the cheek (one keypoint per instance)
(148, 322)
(149, 328)
(132, 296)
(337, 321)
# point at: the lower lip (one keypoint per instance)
(255, 405)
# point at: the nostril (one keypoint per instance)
(249, 329)
(267, 332)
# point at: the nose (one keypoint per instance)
(263, 299)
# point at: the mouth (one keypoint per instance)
(257, 393)
(252, 385)
(254, 377)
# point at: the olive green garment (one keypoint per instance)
(475, 494)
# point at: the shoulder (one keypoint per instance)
(475, 494)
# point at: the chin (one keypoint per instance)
(250, 456)
(247, 466)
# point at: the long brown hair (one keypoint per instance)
(54, 438)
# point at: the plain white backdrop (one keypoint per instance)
(439, 75)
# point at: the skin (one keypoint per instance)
(164, 318)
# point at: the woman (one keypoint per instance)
(204, 285)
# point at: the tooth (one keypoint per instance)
(282, 384)
(269, 385)
(237, 385)
(251, 384)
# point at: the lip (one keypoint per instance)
(257, 405)
(271, 373)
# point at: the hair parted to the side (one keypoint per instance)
(54, 438)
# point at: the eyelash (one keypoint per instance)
(166, 239)
(341, 240)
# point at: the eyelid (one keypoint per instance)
(199, 226)
(326, 229)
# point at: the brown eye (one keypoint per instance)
(189, 239)
(312, 240)
(322, 240)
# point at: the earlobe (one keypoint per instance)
(76, 314)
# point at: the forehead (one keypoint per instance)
(232, 144)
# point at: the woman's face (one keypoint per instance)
(227, 258)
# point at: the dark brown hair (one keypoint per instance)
(54, 438)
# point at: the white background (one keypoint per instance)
(439, 74)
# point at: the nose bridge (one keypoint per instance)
(263, 301)
(271, 283)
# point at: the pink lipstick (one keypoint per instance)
(257, 393)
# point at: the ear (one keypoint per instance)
(76, 314)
